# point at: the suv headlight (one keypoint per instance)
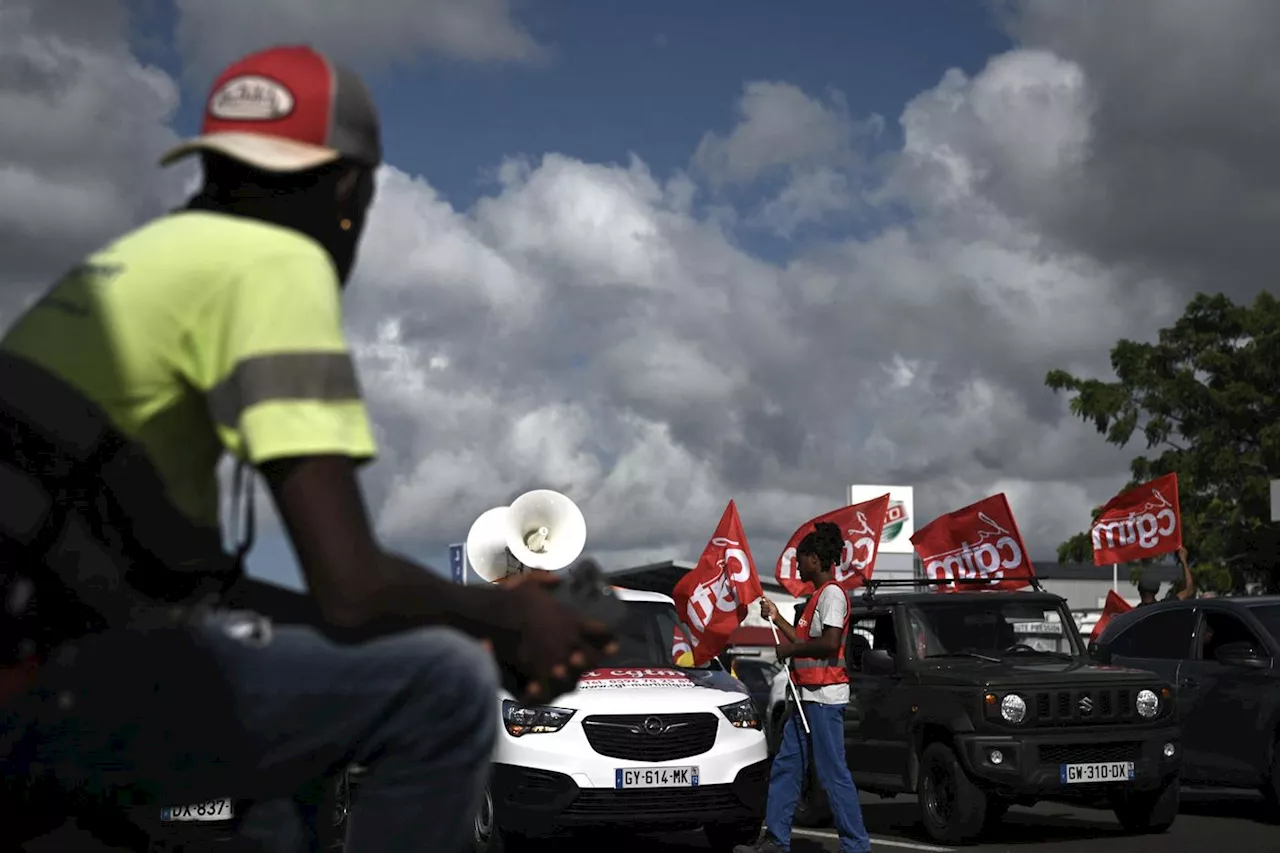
(742, 714)
(1148, 704)
(1013, 708)
(533, 719)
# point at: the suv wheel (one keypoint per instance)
(723, 837)
(1148, 811)
(952, 808)
(487, 835)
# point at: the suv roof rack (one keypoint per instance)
(872, 585)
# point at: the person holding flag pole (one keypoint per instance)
(791, 682)
(816, 648)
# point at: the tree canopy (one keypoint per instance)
(1205, 397)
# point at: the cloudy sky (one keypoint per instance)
(659, 255)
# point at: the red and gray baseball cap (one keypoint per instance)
(287, 109)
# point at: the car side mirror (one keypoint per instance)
(1242, 654)
(879, 662)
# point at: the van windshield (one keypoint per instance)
(649, 636)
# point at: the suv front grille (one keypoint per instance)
(626, 736)
(1106, 706)
(1090, 753)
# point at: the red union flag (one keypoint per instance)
(712, 598)
(979, 546)
(1143, 522)
(861, 524)
(680, 648)
(1114, 606)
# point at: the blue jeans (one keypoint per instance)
(185, 714)
(791, 765)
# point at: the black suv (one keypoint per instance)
(976, 701)
(1223, 657)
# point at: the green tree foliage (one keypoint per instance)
(1206, 399)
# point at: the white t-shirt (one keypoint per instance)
(833, 607)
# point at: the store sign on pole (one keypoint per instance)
(458, 562)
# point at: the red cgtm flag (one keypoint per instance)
(1139, 523)
(679, 645)
(980, 545)
(713, 596)
(861, 525)
(1114, 606)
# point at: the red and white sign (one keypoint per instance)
(625, 679)
(1114, 606)
(977, 547)
(862, 524)
(1142, 522)
(712, 598)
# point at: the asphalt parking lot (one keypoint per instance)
(1219, 822)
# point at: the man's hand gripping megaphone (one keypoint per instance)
(564, 625)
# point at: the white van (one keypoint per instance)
(642, 743)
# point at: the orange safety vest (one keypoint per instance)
(819, 672)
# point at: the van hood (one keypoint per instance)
(622, 689)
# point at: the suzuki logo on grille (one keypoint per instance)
(1086, 705)
(654, 726)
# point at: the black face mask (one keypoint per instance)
(303, 209)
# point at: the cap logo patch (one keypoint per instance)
(251, 98)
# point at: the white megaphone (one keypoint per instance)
(541, 529)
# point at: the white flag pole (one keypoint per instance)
(1115, 577)
(795, 694)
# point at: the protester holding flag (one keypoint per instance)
(816, 646)
(1142, 522)
(1149, 588)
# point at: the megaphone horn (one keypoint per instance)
(487, 545)
(545, 530)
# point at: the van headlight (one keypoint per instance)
(742, 714)
(533, 719)
(1013, 708)
(1148, 704)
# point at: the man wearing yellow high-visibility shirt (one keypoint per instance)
(218, 328)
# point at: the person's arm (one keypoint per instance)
(360, 589)
(282, 391)
(1188, 579)
(770, 612)
(825, 646)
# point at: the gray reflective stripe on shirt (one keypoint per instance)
(327, 377)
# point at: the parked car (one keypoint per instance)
(1223, 657)
(639, 744)
(949, 702)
